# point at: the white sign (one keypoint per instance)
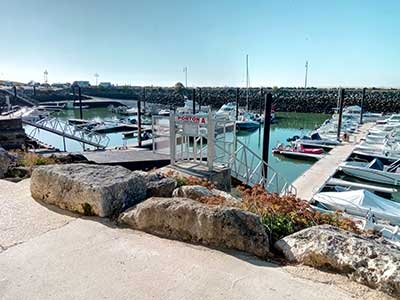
(191, 119)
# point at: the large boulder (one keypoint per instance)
(88, 189)
(159, 185)
(196, 192)
(365, 260)
(189, 220)
(5, 162)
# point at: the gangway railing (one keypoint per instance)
(65, 130)
(249, 168)
(25, 99)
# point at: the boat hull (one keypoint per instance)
(372, 175)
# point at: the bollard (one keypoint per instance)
(267, 127)
(341, 102)
(261, 97)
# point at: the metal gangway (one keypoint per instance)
(28, 101)
(212, 142)
(67, 131)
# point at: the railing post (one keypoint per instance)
(341, 100)
(267, 125)
(362, 105)
(194, 100)
(172, 137)
(80, 104)
(237, 103)
(210, 140)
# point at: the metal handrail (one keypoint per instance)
(240, 159)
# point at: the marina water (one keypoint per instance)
(288, 125)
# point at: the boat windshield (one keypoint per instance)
(376, 164)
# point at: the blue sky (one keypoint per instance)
(347, 43)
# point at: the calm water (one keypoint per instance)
(288, 124)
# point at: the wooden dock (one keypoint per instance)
(315, 178)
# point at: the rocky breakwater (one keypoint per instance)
(192, 221)
(88, 189)
(365, 260)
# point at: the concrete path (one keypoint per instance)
(49, 255)
(312, 180)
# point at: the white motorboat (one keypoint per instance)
(29, 114)
(227, 111)
(316, 139)
(374, 171)
(354, 112)
(360, 203)
(164, 112)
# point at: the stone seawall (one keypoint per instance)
(285, 99)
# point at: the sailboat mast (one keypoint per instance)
(247, 82)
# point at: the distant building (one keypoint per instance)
(81, 83)
(105, 84)
(60, 85)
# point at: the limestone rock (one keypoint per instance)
(159, 185)
(189, 220)
(196, 192)
(88, 189)
(365, 260)
(5, 162)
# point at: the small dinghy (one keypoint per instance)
(374, 171)
(360, 203)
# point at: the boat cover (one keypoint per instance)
(359, 202)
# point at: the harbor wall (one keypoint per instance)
(316, 100)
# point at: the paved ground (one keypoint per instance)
(46, 254)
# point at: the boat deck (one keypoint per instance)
(314, 179)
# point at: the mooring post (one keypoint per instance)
(139, 122)
(267, 125)
(144, 99)
(172, 137)
(237, 103)
(80, 102)
(194, 100)
(362, 105)
(261, 98)
(34, 90)
(341, 103)
(15, 91)
(200, 99)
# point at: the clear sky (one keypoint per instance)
(347, 42)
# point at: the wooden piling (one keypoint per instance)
(267, 127)
(362, 105)
(80, 103)
(237, 103)
(341, 103)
